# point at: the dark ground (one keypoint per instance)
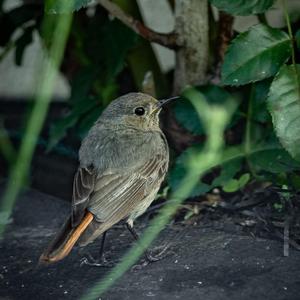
(213, 261)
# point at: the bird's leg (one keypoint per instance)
(101, 260)
(148, 255)
(101, 252)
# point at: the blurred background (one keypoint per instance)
(103, 59)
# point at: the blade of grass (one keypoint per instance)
(215, 119)
(43, 96)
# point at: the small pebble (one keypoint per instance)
(65, 292)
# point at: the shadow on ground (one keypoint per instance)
(210, 262)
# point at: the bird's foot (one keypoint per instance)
(158, 253)
(153, 256)
(100, 262)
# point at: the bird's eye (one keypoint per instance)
(139, 111)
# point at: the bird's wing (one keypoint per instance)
(117, 194)
(83, 186)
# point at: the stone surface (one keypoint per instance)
(210, 262)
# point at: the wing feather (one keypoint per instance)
(125, 191)
(83, 186)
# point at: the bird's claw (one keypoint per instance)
(96, 263)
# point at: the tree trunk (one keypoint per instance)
(191, 26)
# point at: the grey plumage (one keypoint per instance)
(123, 161)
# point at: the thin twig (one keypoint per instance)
(288, 23)
(225, 34)
(168, 40)
(286, 236)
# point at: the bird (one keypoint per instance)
(123, 161)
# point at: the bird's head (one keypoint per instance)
(135, 110)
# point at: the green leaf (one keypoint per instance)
(267, 157)
(81, 84)
(230, 165)
(234, 185)
(21, 43)
(228, 170)
(118, 39)
(59, 129)
(16, 18)
(273, 160)
(186, 114)
(259, 107)
(284, 106)
(65, 6)
(255, 55)
(231, 186)
(242, 7)
(179, 170)
(297, 37)
(244, 179)
(187, 117)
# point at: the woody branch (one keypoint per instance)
(168, 40)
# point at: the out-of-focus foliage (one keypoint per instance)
(255, 63)
(242, 7)
(259, 74)
(56, 6)
(105, 58)
(186, 114)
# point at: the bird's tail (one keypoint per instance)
(65, 239)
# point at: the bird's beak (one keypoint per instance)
(163, 102)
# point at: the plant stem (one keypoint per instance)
(44, 92)
(288, 23)
(262, 18)
(247, 144)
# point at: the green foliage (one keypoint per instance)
(234, 185)
(101, 47)
(297, 37)
(103, 54)
(269, 158)
(259, 53)
(284, 105)
(22, 42)
(58, 6)
(230, 163)
(17, 18)
(242, 7)
(186, 114)
(255, 55)
(273, 159)
(35, 122)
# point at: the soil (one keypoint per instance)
(211, 260)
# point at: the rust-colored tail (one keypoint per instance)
(64, 241)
